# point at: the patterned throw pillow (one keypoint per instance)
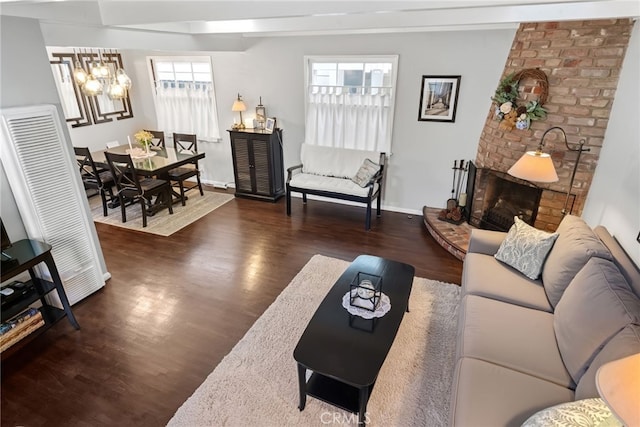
(581, 413)
(366, 173)
(525, 248)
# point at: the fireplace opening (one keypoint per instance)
(497, 198)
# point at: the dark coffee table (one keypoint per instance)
(344, 359)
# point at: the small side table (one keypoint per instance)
(24, 255)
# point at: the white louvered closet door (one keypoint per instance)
(49, 195)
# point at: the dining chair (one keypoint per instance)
(94, 177)
(132, 189)
(112, 144)
(158, 138)
(184, 142)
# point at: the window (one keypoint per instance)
(350, 101)
(184, 96)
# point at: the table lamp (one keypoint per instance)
(239, 106)
(618, 384)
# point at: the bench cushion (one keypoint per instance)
(326, 183)
(336, 162)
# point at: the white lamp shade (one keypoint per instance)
(534, 166)
(618, 383)
(239, 105)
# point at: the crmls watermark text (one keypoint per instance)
(341, 418)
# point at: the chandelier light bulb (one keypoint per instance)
(79, 74)
(95, 71)
(116, 91)
(104, 71)
(92, 87)
(123, 79)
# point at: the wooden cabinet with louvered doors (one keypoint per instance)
(257, 164)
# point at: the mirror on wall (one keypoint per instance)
(74, 104)
(103, 108)
(79, 108)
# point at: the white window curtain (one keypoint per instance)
(187, 108)
(338, 118)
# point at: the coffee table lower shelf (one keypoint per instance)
(336, 393)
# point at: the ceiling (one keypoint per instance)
(305, 17)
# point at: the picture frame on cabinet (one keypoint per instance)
(270, 124)
(439, 98)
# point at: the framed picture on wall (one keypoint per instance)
(438, 98)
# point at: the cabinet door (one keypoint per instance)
(262, 166)
(243, 164)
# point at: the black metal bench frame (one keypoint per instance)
(377, 179)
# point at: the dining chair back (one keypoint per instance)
(185, 142)
(94, 177)
(133, 189)
(158, 138)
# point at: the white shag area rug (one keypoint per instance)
(162, 223)
(256, 384)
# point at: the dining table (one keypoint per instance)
(157, 162)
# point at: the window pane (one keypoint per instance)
(201, 67)
(163, 66)
(184, 67)
(166, 76)
(202, 77)
(184, 77)
(350, 66)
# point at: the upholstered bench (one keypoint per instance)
(338, 173)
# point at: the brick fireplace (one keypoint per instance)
(582, 61)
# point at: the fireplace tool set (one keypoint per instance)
(455, 205)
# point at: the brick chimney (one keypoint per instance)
(582, 61)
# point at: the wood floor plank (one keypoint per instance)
(175, 306)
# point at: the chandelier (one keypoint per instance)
(98, 77)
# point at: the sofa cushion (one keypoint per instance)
(485, 276)
(575, 245)
(525, 248)
(585, 412)
(629, 270)
(485, 241)
(365, 174)
(330, 161)
(624, 343)
(511, 336)
(485, 394)
(595, 306)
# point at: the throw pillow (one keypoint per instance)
(525, 248)
(366, 173)
(587, 412)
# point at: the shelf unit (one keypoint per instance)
(25, 255)
(258, 166)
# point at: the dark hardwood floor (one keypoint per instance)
(175, 306)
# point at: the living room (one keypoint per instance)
(271, 66)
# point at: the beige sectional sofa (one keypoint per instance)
(524, 345)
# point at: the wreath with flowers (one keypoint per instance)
(508, 111)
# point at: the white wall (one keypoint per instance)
(419, 171)
(26, 79)
(614, 197)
